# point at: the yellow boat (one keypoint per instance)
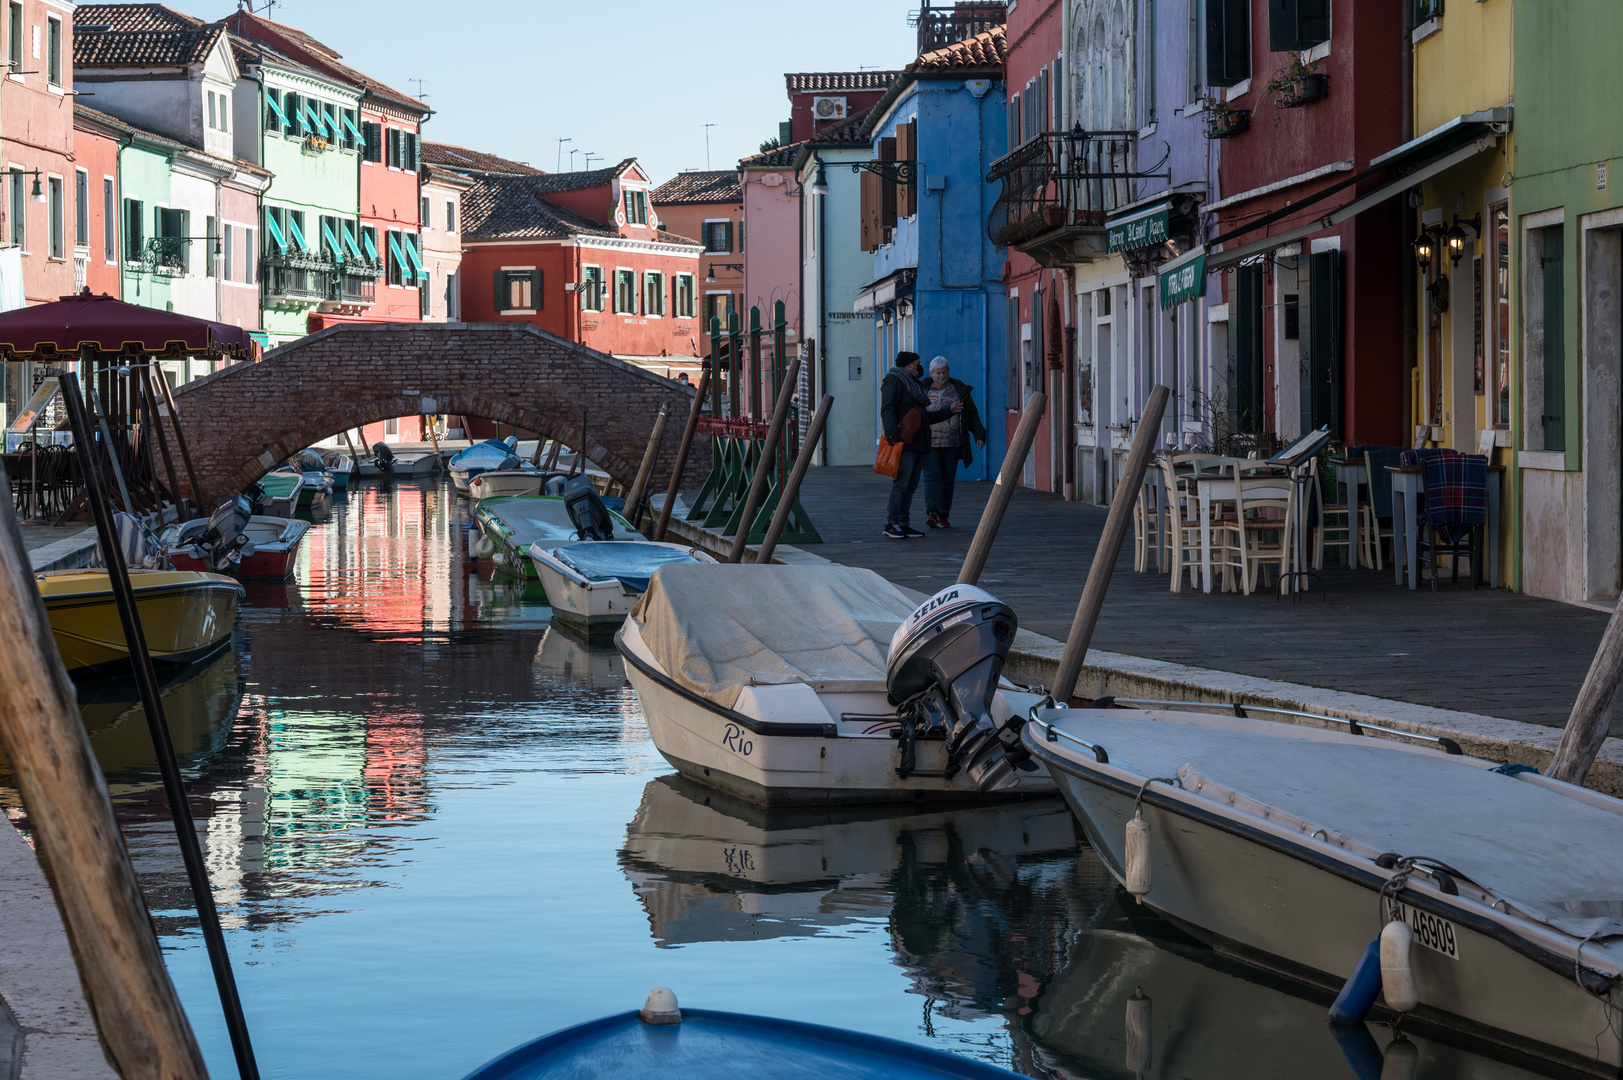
(185, 614)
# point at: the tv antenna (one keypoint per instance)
(248, 6)
(561, 142)
(419, 82)
(707, 128)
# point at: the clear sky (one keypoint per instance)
(619, 78)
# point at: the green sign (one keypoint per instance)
(1184, 279)
(1144, 229)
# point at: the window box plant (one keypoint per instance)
(1298, 84)
(1223, 121)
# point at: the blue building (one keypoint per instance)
(937, 278)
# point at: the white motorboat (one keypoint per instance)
(383, 461)
(480, 458)
(811, 685)
(1295, 848)
(517, 482)
(509, 528)
(592, 585)
(273, 545)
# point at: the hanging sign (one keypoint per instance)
(1145, 228)
(1184, 278)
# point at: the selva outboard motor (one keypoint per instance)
(383, 457)
(945, 660)
(585, 508)
(226, 534)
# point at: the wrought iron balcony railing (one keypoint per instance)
(1063, 179)
(295, 276)
(940, 27)
(355, 283)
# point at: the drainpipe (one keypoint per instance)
(1411, 321)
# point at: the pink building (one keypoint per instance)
(36, 141)
(770, 240)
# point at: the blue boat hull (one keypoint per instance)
(709, 1045)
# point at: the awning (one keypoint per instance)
(275, 231)
(394, 249)
(332, 241)
(879, 293)
(1436, 151)
(371, 248)
(1184, 278)
(1142, 228)
(349, 238)
(354, 131)
(277, 109)
(297, 233)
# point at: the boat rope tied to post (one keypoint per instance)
(1138, 841)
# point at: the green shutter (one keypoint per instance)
(501, 291)
(1282, 26)
(1245, 349)
(274, 227)
(1555, 339)
(349, 238)
(1321, 397)
(1228, 41)
(1312, 22)
(727, 235)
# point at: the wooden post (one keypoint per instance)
(640, 484)
(112, 455)
(353, 456)
(1592, 713)
(682, 450)
(180, 440)
(535, 456)
(579, 464)
(149, 399)
(786, 498)
(552, 454)
(141, 388)
(138, 1015)
(1008, 478)
(433, 436)
(1104, 557)
(763, 468)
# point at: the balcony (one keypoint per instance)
(1058, 189)
(296, 278)
(165, 255)
(353, 286)
(940, 27)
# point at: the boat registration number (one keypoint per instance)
(1436, 934)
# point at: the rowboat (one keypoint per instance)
(273, 546)
(679, 1043)
(282, 490)
(1480, 899)
(479, 458)
(592, 585)
(339, 467)
(510, 526)
(514, 483)
(186, 615)
(383, 461)
(827, 684)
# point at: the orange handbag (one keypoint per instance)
(888, 460)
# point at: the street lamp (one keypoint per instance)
(1423, 249)
(710, 275)
(820, 185)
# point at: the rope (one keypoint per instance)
(1153, 780)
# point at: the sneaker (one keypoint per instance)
(910, 532)
(893, 532)
(945, 524)
(934, 522)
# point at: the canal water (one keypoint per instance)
(437, 828)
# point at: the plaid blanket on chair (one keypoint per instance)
(1456, 489)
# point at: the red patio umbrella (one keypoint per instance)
(61, 329)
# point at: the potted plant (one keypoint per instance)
(1298, 84)
(1224, 121)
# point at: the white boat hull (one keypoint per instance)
(1304, 907)
(788, 745)
(404, 465)
(512, 482)
(593, 608)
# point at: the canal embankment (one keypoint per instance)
(1493, 670)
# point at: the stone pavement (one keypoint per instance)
(1488, 652)
(54, 547)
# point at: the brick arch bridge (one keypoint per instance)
(241, 421)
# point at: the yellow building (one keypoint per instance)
(1462, 390)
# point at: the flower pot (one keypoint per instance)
(1226, 125)
(1303, 90)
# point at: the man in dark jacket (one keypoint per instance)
(900, 395)
(949, 441)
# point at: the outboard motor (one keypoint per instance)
(383, 456)
(553, 484)
(945, 660)
(226, 535)
(255, 496)
(509, 463)
(586, 509)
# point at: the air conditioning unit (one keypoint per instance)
(828, 108)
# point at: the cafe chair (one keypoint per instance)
(1454, 520)
(1260, 533)
(1149, 523)
(1334, 526)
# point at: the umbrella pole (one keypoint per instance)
(180, 441)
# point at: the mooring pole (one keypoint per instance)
(1104, 557)
(640, 484)
(149, 407)
(152, 704)
(579, 464)
(763, 467)
(1591, 718)
(1014, 460)
(180, 441)
(786, 498)
(138, 1014)
(433, 436)
(112, 455)
(682, 450)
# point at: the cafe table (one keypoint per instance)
(1408, 484)
(1352, 474)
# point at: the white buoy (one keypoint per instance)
(660, 1008)
(1138, 1033)
(1397, 968)
(1401, 1061)
(1138, 855)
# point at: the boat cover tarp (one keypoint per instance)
(544, 519)
(631, 564)
(486, 455)
(717, 628)
(1556, 858)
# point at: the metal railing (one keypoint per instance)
(355, 283)
(296, 277)
(940, 27)
(1062, 179)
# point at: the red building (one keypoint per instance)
(709, 207)
(1315, 317)
(819, 100)
(96, 137)
(581, 255)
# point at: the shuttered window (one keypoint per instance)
(625, 292)
(1013, 379)
(683, 296)
(392, 142)
(887, 191)
(1015, 125)
(592, 296)
(372, 140)
(518, 290)
(1321, 344)
(1554, 337)
(718, 236)
(1245, 349)
(1297, 24)
(653, 293)
(868, 190)
(907, 141)
(1228, 41)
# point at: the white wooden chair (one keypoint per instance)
(1260, 534)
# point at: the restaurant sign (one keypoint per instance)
(1184, 278)
(1141, 229)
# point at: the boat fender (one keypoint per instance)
(660, 1007)
(1357, 995)
(482, 547)
(1138, 1033)
(1138, 855)
(1397, 967)
(1401, 1061)
(499, 559)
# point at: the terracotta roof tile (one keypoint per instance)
(848, 130)
(133, 17)
(981, 52)
(806, 82)
(461, 159)
(509, 208)
(708, 186)
(130, 35)
(780, 157)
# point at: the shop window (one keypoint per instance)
(1228, 42)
